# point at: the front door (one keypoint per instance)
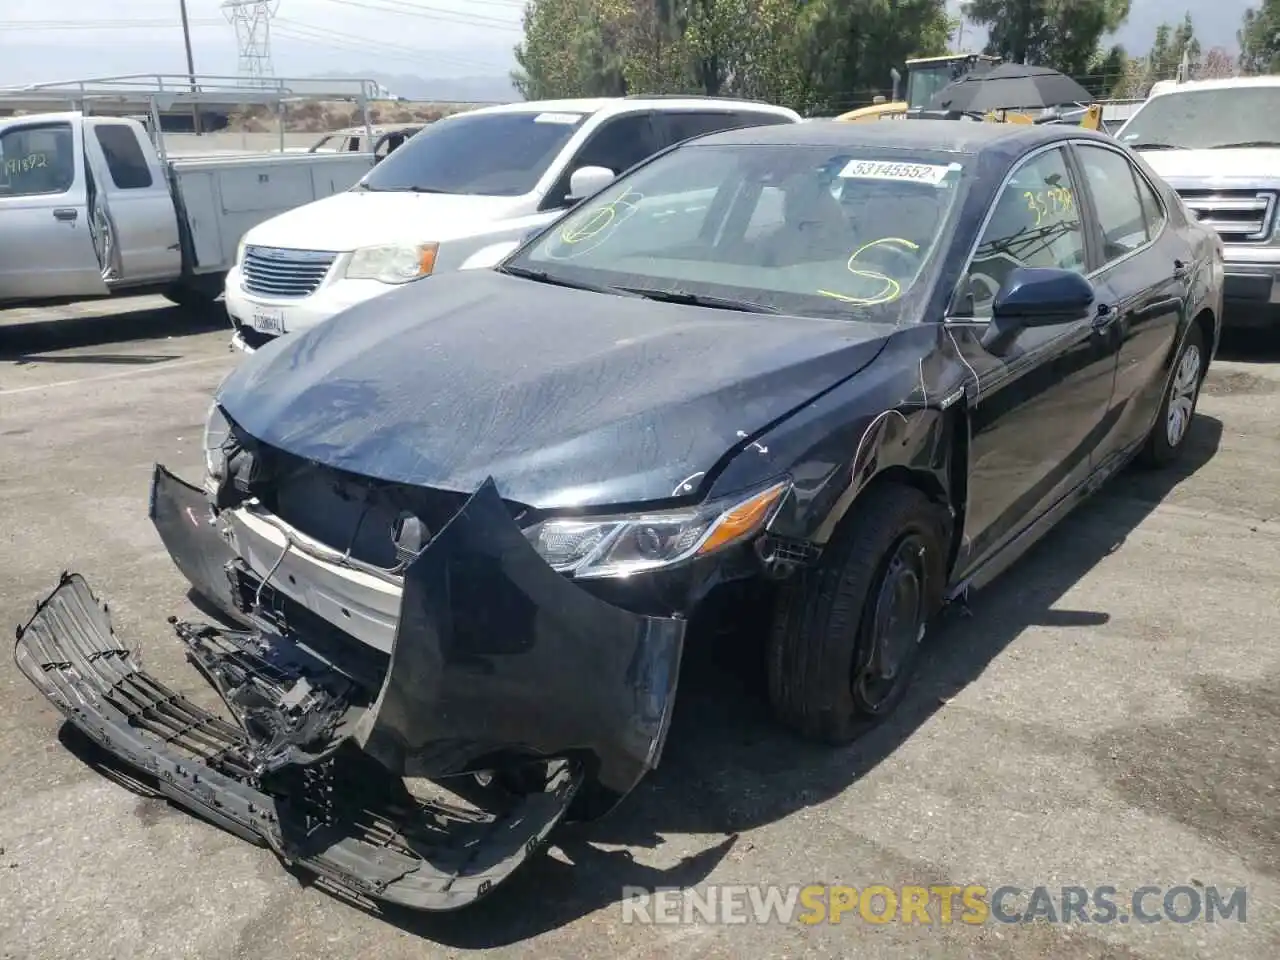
(46, 243)
(1144, 283)
(1039, 405)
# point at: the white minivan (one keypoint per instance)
(439, 201)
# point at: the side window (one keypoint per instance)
(125, 160)
(1115, 194)
(1152, 208)
(1034, 223)
(683, 124)
(619, 143)
(749, 119)
(38, 159)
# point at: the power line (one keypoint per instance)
(60, 25)
(439, 14)
(320, 36)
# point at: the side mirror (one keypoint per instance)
(1037, 297)
(585, 181)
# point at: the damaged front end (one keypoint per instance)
(505, 683)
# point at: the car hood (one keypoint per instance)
(564, 397)
(1210, 166)
(362, 218)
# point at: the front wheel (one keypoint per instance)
(846, 635)
(193, 295)
(1169, 434)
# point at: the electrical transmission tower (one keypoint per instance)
(252, 22)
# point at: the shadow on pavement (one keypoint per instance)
(25, 342)
(1250, 345)
(728, 767)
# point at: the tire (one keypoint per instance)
(1168, 436)
(822, 648)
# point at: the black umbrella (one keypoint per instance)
(1010, 86)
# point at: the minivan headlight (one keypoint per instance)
(620, 545)
(394, 263)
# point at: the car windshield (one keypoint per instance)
(1206, 119)
(490, 154)
(798, 229)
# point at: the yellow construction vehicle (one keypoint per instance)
(925, 77)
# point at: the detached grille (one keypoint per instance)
(1239, 216)
(273, 272)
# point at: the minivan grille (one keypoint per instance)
(1239, 216)
(274, 272)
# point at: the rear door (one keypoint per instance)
(46, 247)
(1145, 267)
(130, 198)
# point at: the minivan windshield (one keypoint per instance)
(771, 228)
(1206, 120)
(490, 154)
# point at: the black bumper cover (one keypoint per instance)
(499, 664)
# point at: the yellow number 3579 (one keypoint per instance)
(1051, 203)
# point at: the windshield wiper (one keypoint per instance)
(541, 276)
(1246, 143)
(702, 300)
(1153, 145)
(422, 190)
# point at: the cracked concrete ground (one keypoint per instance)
(1107, 715)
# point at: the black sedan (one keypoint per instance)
(462, 530)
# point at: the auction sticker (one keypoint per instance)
(895, 170)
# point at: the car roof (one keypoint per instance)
(590, 105)
(953, 136)
(1227, 83)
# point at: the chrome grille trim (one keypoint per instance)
(1239, 216)
(286, 274)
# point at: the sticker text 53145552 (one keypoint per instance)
(928, 173)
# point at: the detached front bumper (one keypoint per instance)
(499, 667)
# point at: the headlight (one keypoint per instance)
(621, 545)
(216, 431)
(398, 263)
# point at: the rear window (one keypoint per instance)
(488, 154)
(125, 160)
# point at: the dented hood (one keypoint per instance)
(565, 397)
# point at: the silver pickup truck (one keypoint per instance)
(88, 208)
(1217, 143)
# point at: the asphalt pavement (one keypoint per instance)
(1106, 714)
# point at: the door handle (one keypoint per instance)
(1107, 315)
(66, 214)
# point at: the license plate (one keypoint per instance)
(266, 320)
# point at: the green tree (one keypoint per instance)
(1062, 34)
(847, 47)
(571, 48)
(1259, 38)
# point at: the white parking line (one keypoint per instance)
(110, 376)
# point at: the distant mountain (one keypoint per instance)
(489, 89)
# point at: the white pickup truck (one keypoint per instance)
(1217, 143)
(90, 208)
(450, 196)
